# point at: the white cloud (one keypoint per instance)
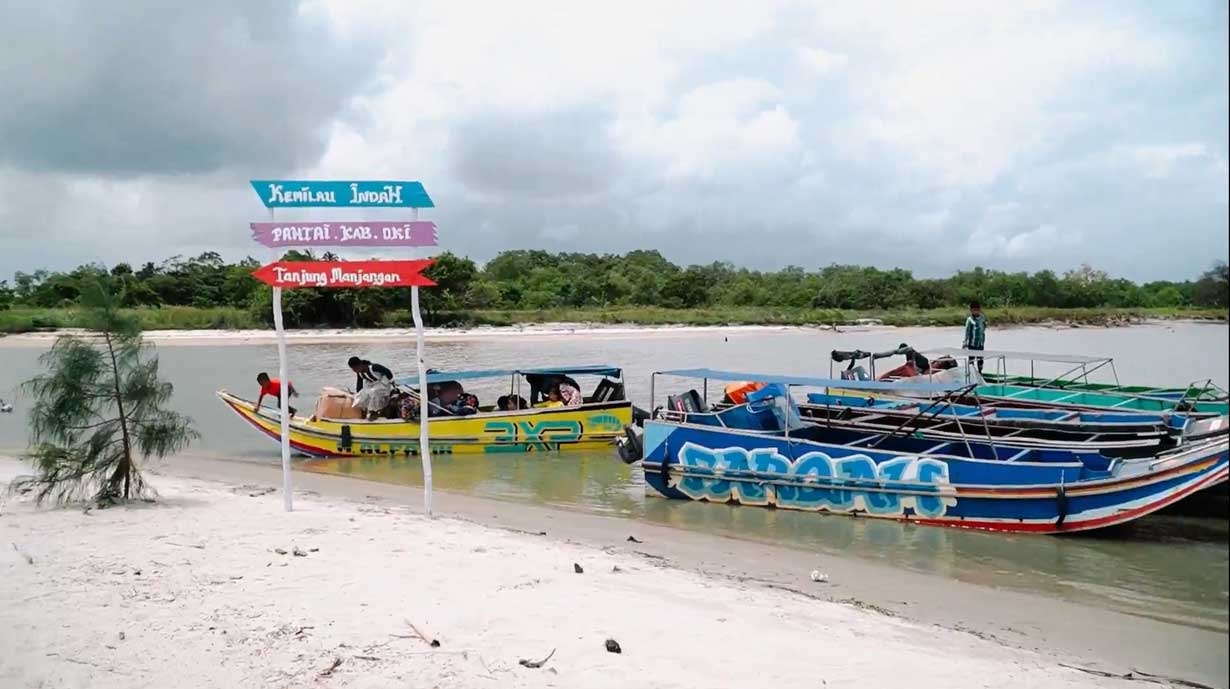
(820, 61)
(966, 91)
(1163, 161)
(1006, 232)
(720, 132)
(939, 134)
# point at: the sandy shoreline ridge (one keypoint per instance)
(538, 330)
(360, 335)
(205, 588)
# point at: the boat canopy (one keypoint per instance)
(957, 352)
(579, 370)
(869, 385)
(841, 355)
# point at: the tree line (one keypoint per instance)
(534, 280)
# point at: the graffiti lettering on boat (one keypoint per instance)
(545, 431)
(845, 484)
(605, 422)
(530, 436)
(396, 448)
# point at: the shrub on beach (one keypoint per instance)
(99, 408)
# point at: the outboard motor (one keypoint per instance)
(630, 446)
(639, 416)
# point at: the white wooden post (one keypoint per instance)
(284, 394)
(424, 409)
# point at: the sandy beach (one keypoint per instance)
(545, 331)
(360, 335)
(195, 591)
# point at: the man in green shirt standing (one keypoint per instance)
(975, 331)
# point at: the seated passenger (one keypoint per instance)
(569, 393)
(453, 400)
(554, 398)
(408, 408)
(466, 404)
(541, 386)
(511, 403)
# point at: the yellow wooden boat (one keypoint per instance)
(593, 425)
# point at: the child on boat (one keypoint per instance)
(273, 387)
(975, 332)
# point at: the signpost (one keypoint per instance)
(345, 274)
(357, 233)
(296, 193)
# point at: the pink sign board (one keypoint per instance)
(360, 233)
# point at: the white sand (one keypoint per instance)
(357, 335)
(202, 599)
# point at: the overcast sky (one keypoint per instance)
(932, 135)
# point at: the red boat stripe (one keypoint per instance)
(1050, 527)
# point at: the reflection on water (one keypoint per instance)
(1162, 566)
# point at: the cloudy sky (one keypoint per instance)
(930, 135)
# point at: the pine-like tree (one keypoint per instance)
(98, 408)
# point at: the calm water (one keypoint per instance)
(1168, 567)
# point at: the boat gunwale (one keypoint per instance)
(1180, 452)
(257, 419)
(1144, 436)
(529, 411)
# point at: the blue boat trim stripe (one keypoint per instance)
(808, 381)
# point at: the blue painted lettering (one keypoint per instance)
(846, 484)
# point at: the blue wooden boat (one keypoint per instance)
(1197, 399)
(1005, 415)
(761, 453)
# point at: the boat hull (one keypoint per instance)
(1060, 398)
(1171, 393)
(1021, 395)
(1006, 415)
(880, 420)
(589, 427)
(707, 463)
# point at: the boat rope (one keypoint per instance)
(1061, 502)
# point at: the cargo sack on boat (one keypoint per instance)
(737, 392)
(336, 404)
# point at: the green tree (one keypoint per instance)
(98, 410)
(1213, 287)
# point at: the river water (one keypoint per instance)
(1166, 567)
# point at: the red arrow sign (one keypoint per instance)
(293, 274)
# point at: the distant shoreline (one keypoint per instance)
(364, 335)
(207, 323)
(238, 337)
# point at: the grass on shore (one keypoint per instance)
(19, 320)
(788, 316)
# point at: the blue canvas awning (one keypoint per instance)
(579, 370)
(958, 353)
(870, 385)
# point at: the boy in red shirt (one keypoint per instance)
(273, 387)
